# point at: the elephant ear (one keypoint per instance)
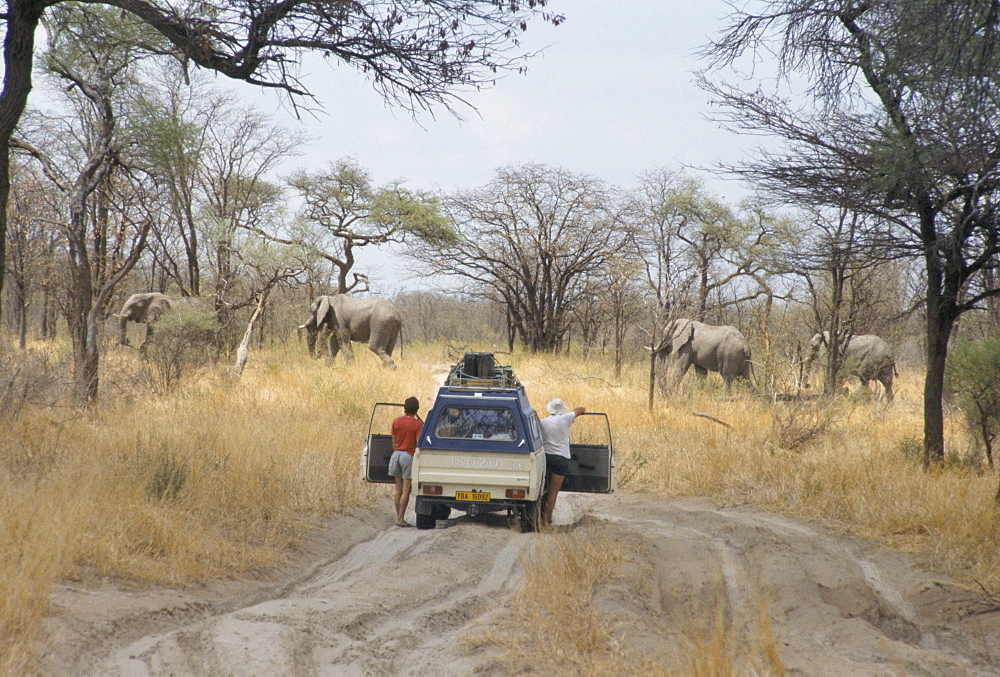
(683, 335)
(156, 308)
(322, 310)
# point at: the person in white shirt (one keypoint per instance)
(555, 436)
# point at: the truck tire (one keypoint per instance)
(531, 517)
(426, 521)
(441, 512)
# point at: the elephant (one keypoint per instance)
(147, 309)
(867, 356)
(348, 318)
(722, 349)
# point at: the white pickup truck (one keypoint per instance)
(480, 449)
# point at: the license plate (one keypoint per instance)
(472, 496)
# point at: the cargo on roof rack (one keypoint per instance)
(480, 371)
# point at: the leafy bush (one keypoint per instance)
(182, 340)
(972, 381)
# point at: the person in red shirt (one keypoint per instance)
(405, 431)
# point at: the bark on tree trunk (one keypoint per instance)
(945, 278)
(22, 19)
(243, 351)
(21, 303)
(938, 330)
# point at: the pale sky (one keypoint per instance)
(611, 96)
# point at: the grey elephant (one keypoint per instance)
(147, 309)
(867, 356)
(347, 318)
(707, 347)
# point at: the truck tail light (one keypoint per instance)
(433, 490)
(516, 493)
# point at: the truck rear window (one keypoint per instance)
(476, 423)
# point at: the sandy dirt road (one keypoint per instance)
(368, 598)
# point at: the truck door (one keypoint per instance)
(592, 460)
(377, 448)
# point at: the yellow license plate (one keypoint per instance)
(472, 495)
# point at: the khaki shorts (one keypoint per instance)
(401, 464)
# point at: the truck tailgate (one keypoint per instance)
(478, 471)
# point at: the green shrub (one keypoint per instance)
(972, 382)
(183, 339)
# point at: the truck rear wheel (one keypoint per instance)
(531, 517)
(425, 521)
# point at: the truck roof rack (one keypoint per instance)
(480, 371)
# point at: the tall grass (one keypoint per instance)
(550, 626)
(222, 477)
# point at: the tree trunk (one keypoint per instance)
(48, 328)
(21, 305)
(85, 360)
(243, 351)
(18, 54)
(940, 320)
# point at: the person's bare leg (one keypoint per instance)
(404, 499)
(555, 484)
(396, 499)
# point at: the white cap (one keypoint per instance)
(556, 406)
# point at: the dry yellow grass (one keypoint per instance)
(222, 477)
(550, 625)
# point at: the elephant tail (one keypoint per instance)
(753, 374)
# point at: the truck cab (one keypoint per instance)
(480, 449)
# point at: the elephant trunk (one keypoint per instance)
(664, 349)
(311, 332)
(122, 322)
(807, 366)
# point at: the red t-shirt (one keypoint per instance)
(405, 431)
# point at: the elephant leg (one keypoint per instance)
(390, 345)
(386, 358)
(680, 368)
(888, 388)
(865, 383)
(145, 341)
(727, 381)
(333, 345)
(345, 345)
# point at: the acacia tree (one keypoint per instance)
(904, 126)
(415, 52)
(529, 239)
(343, 211)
